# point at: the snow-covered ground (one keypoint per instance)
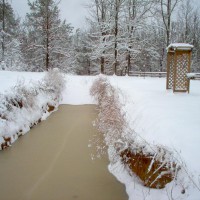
(159, 116)
(166, 118)
(25, 100)
(9, 79)
(77, 90)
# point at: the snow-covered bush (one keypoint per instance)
(53, 83)
(154, 165)
(111, 121)
(23, 107)
(52, 86)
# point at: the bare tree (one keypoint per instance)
(137, 12)
(167, 8)
(117, 6)
(101, 10)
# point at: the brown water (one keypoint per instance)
(52, 162)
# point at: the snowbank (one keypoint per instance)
(25, 105)
(9, 79)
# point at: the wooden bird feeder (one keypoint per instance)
(178, 66)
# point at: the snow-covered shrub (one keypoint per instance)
(25, 95)
(23, 107)
(53, 83)
(51, 87)
(111, 121)
(19, 110)
(154, 165)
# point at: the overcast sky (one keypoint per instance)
(73, 11)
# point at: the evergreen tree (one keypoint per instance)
(9, 29)
(47, 38)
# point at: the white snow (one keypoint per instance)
(166, 118)
(192, 75)
(159, 116)
(180, 46)
(78, 90)
(24, 101)
(9, 79)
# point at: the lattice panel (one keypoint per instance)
(171, 70)
(182, 63)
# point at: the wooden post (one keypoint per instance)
(175, 71)
(189, 64)
(168, 71)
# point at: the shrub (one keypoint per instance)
(53, 83)
(111, 121)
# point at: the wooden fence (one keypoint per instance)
(148, 74)
(156, 74)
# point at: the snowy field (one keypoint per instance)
(166, 118)
(9, 79)
(159, 116)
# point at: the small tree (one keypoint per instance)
(167, 8)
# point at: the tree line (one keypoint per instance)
(121, 36)
(39, 42)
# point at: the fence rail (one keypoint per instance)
(148, 74)
(197, 76)
(156, 74)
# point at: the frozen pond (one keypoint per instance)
(52, 162)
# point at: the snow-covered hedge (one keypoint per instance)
(155, 165)
(23, 107)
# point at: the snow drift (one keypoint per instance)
(23, 106)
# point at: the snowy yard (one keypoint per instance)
(157, 115)
(162, 117)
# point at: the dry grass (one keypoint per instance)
(111, 122)
(153, 172)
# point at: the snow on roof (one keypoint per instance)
(180, 46)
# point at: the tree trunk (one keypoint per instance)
(168, 21)
(132, 15)
(47, 55)
(101, 18)
(161, 59)
(130, 46)
(129, 62)
(88, 67)
(3, 28)
(47, 38)
(116, 34)
(102, 57)
(102, 64)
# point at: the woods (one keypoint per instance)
(121, 36)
